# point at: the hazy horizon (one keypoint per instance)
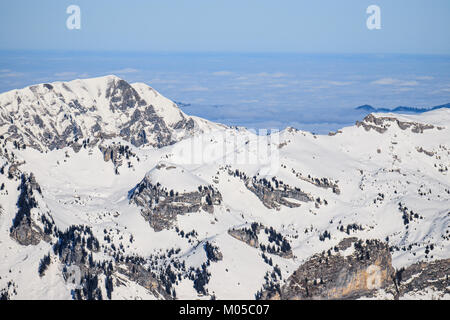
(311, 92)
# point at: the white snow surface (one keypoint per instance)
(81, 188)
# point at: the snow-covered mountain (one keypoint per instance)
(60, 114)
(108, 190)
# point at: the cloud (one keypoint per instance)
(222, 73)
(10, 74)
(339, 83)
(403, 89)
(125, 71)
(163, 81)
(441, 90)
(271, 75)
(278, 85)
(395, 82)
(425, 78)
(70, 75)
(65, 74)
(249, 101)
(196, 88)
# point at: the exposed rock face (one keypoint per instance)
(276, 244)
(137, 273)
(212, 252)
(355, 269)
(54, 116)
(324, 183)
(74, 244)
(248, 236)
(75, 247)
(274, 198)
(9, 291)
(422, 150)
(422, 276)
(161, 207)
(333, 133)
(25, 230)
(338, 276)
(273, 193)
(381, 124)
(117, 154)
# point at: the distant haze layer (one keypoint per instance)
(317, 93)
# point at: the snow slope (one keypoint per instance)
(372, 177)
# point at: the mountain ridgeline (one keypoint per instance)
(80, 112)
(109, 191)
(400, 109)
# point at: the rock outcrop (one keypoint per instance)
(212, 252)
(246, 235)
(142, 276)
(324, 183)
(357, 269)
(273, 193)
(117, 154)
(26, 229)
(381, 124)
(161, 207)
(423, 276)
(275, 244)
(351, 270)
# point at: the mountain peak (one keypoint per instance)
(369, 108)
(59, 114)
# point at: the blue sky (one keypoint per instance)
(320, 26)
